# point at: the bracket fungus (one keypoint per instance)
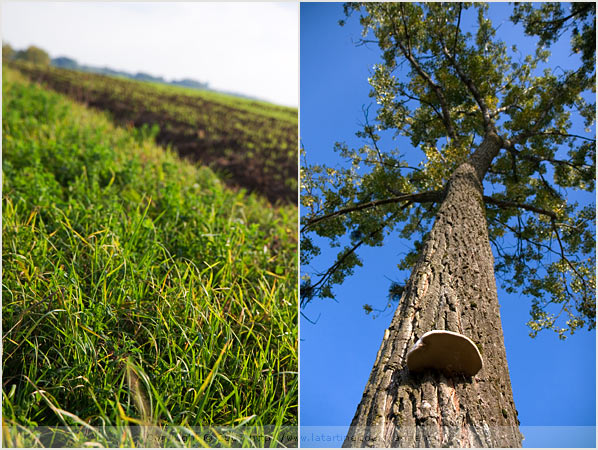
(446, 351)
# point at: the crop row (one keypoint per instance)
(253, 144)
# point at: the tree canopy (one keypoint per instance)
(7, 52)
(549, 21)
(445, 89)
(34, 55)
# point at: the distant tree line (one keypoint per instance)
(32, 54)
(36, 55)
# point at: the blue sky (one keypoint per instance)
(553, 381)
(250, 47)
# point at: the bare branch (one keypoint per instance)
(457, 29)
(369, 131)
(313, 322)
(326, 275)
(558, 237)
(530, 241)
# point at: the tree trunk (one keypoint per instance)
(452, 287)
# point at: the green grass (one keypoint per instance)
(137, 290)
(253, 143)
(257, 107)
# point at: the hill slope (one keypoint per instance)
(253, 143)
(137, 289)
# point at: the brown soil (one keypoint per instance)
(206, 132)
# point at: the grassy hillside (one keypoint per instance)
(139, 293)
(253, 143)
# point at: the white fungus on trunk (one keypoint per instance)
(446, 351)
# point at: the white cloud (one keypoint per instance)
(251, 48)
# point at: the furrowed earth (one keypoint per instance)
(252, 144)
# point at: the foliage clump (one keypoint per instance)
(445, 87)
(31, 54)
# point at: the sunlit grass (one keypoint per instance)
(139, 294)
(258, 107)
(251, 144)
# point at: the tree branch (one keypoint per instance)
(326, 275)
(528, 240)
(538, 160)
(430, 104)
(470, 86)
(509, 204)
(384, 163)
(542, 120)
(556, 133)
(407, 53)
(554, 25)
(369, 130)
(558, 237)
(420, 197)
(502, 109)
(457, 29)
(314, 287)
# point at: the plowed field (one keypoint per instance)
(253, 144)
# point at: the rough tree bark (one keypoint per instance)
(452, 287)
